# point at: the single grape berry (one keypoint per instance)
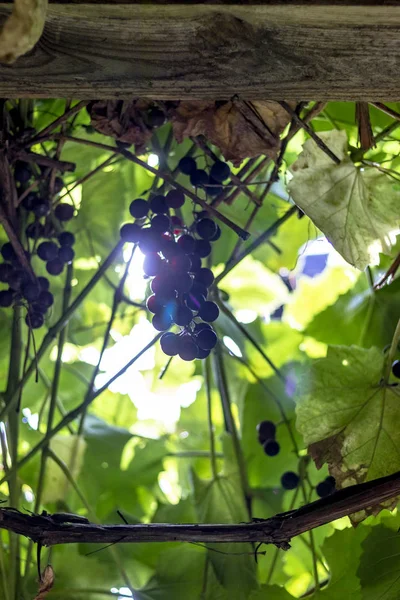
(203, 248)
(187, 243)
(206, 339)
(154, 304)
(182, 282)
(58, 185)
(139, 208)
(22, 172)
(17, 278)
(194, 301)
(271, 448)
(30, 291)
(35, 230)
(220, 171)
(176, 224)
(196, 262)
(206, 228)
(6, 271)
(46, 298)
(188, 350)
(331, 480)
(396, 368)
(160, 223)
(175, 199)
(66, 238)
(150, 241)
(182, 316)
(209, 311)
(155, 117)
(44, 283)
(181, 263)
(66, 254)
(8, 252)
(169, 343)
(47, 251)
(153, 265)
(290, 480)
(158, 204)
(217, 234)
(202, 353)
(37, 307)
(266, 431)
(41, 207)
(199, 288)
(64, 212)
(6, 298)
(130, 232)
(187, 165)
(170, 249)
(199, 178)
(55, 266)
(162, 284)
(162, 321)
(200, 326)
(34, 320)
(324, 488)
(205, 276)
(213, 187)
(29, 201)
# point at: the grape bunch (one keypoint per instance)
(266, 436)
(199, 178)
(45, 238)
(179, 282)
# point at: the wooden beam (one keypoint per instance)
(273, 51)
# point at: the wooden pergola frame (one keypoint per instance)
(283, 50)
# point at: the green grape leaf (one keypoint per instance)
(379, 569)
(348, 418)
(272, 592)
(71, 450)
(356, 209)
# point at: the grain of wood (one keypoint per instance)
(302, 51)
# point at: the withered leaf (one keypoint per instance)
(240, 129)
(46, 583)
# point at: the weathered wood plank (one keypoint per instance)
(302, 51)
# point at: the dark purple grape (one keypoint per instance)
(187, 165)
(271, 448)
(153, 265)
(290, 480)
(64, 212)
(175, 199)
(181, 263)
(139, 208)
(160, 223)
(66, 238)
(187, 243)
(47, 250)
(169, 343)
(6, 298)
(6, 271)
(199, 178)
(158, 205)
(162, 321)
(205, 277)
(266, 431)
(41, 207)
(58, 185)
(202, 353)
(17, 278)
(154, 304)
(220, 171)
(30, 291)
(209, 311)
(176, 223)
(44, 283)
(130, 232)
(8, 252)
(55, 266)
(170, 249)
(182, 282)
(396, 369)
(162, 284)
(201, 326)
(35, 230)
(217, 234)
(196, 262)
(206, 228)
(213, 188)
(37, 307)
(187, 348)
(199, 289)
(66, 254)
(155, 117)
(182, 316)
(46, 298)
(331, 480)
(324, 488)
(22, 172)
(203, 248)
(150, 241)
(206, 339)
(29, 201)
(194, 301)
(34, 320)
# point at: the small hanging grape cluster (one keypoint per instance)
(199, 178)
(179, 282)
(46, 239)
(266, 436)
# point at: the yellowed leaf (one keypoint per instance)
(46, 583)
(22, 29)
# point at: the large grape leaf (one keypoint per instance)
(271, 591)
(356, 209)
(379, 569)
(348, 417)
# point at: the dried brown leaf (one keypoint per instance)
(122, 120)
(22, 29)
(239, 129)
(46, 583)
